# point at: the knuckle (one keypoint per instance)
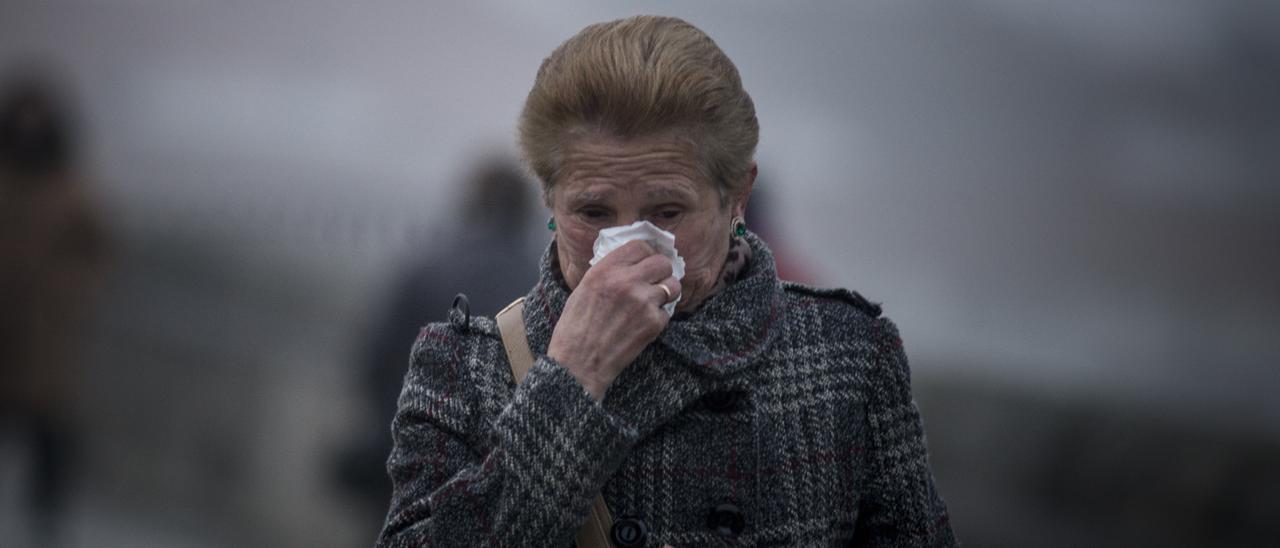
(636, 248)
(665, 265)
(658, 264)
(614, 289)
(640, 296)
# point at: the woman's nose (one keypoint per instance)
(625, 218)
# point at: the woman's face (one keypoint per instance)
(606, 182)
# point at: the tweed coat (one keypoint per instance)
(775, 415)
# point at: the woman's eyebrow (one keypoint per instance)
(667, 193)
(588, 196)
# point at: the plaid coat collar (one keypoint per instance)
(723, 337)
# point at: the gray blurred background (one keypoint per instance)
(1071, 209)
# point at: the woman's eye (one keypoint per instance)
(594, 214)
(669, 214)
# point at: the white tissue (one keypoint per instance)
(665, 242)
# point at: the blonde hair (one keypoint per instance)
(638, 77)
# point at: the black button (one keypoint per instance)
(727, 520)
(461, 320)
(628, 532)
(722, 402)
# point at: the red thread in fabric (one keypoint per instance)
(788, 467)
(819, 458)
(463, 486)
(441, 439)
(773, 314)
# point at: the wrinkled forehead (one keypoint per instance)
(606, 167)
(647, 191)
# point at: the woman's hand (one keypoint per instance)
(615, 312)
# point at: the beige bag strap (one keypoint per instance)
(514, 339)
(595, 532)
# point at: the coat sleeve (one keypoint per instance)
(900, 505)
(523, 478)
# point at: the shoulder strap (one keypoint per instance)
(595, 532)
(514, 339)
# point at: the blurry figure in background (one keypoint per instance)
(761, 210)
(52, 255)
(485, 254)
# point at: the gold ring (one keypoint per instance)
(665, 290)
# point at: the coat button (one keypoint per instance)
(628, 532)
(722, 402)
(727, 520)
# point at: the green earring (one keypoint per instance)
(739, 227)
(551, 224)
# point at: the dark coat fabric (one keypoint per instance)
(775, 415)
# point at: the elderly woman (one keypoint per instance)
(762, 412)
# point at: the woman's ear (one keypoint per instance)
(740, 201)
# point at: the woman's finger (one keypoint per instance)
(653, 268)
(630, 253)
(667, 290)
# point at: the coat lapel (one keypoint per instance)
(727, 334)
